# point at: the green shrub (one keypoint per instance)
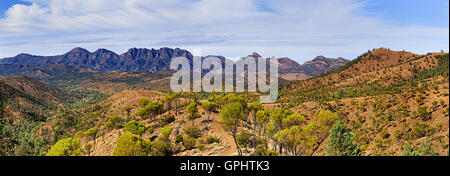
(259, 141)
(244, 139)
(421, 130)
(178, 139)
(261, 150)
(425, 149)
(212, 139)
(161, 148)
(143, 102)
(165, 133)
(167, 120)
(92, 132)
(189, 143)
(114, 122)
(192, 131)
(201, 146)
(423, 113)
(135, 127)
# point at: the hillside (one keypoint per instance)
(112, 82)
(100, 116)
(25, 104)
(42, 72)
(21, 94)
(384, 114)
(385, 97)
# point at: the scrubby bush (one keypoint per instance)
(261, 150)
(244, 139)
(189, 143)
(421, 130)
(192, 131)
(201, 146)
(212, 139)
(160, 148)
(165, 133)
(425, 149)
(135, 127)
(179, 139)
(143, 102)
(151, 110)
(114, 122)
(423, 113)
(167, 120)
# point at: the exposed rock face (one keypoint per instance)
(134, 60)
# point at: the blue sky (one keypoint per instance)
(6, 4)
(411, 12)
(299, 29)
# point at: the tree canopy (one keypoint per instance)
(231, 116)
(340, 142)
(135, 127)
(130, 144)
(66, 147)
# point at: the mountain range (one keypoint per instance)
(80, 60)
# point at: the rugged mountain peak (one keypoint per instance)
(137, 52)
(102, 50)
(24, 55)
(167, 49)
(286, 63)
(319, 58)
(103, 54)
(326, 60)
(79, 50)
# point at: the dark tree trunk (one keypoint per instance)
(237, 146)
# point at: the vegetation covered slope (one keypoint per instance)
(388, 99)
(25, 105)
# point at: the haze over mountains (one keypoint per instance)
(80, 60)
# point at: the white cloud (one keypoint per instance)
(299, 29)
